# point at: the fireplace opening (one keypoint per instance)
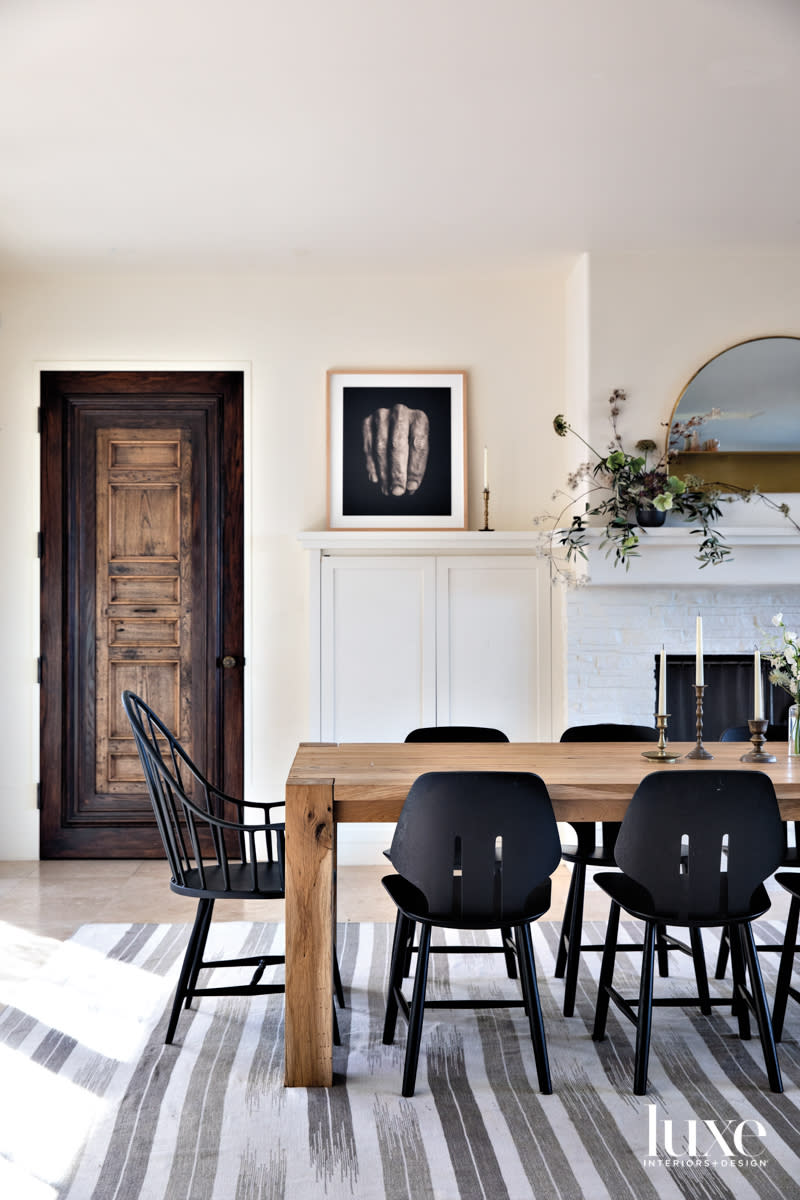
(727, 700)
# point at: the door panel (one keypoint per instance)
(142, 567)
(143, 522)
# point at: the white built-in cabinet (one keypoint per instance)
(426, 629)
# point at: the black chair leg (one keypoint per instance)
(396, 975)
(408, 951)
(645, 1015)
(510, 957)
(700, 972)
(530, 990)
(662, 951)
(199, 948)
(577, 879)
(575, 934)
(606, 973)
(785, 969)
(417, 1011)
(722, 956)
(191, 964)
(337, 979)
(762, 1010)
(739, 1006)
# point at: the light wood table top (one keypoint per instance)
(587, 781)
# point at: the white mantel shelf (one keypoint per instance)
(421, 541)
(765, 555)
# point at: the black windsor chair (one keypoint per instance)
(213, 853)
(791, 849)
(589, 853)
(694, 850)
(463, 733)
(473, 850)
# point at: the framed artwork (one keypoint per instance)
(396, 450)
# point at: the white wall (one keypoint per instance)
(507, 332)
(657, 318)
(544, 341)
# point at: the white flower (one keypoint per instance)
(777, 619)
(790, 639)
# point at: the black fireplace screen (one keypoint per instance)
(727, 700)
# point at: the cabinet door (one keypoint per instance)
(378, 647)
(493, 644)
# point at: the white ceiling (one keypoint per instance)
(381, 134)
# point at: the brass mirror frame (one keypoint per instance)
(766, 470)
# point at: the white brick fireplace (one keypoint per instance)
(618, 620)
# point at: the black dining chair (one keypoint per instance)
(694, 850)
(791, 842)
(473, 850)
(741, 733)
(212, 851)
(456, 733)
(462, 733)
(589, 853)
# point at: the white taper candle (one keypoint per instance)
(698, 673)
(662, 685)
(758, 699)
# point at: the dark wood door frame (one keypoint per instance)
(221, 392)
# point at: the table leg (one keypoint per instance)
(309, 935)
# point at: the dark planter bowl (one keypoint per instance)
(649, 517)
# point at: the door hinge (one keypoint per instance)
(39, 796)
(40, 545)
(39, 669)
(39, 419)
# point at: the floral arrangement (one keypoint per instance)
(784, 659)
(629, 493)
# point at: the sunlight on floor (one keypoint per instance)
(17, 1183)
(32, 1100)
(67, 991)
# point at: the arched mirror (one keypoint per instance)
(737, 421)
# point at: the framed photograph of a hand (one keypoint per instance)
(396, 450)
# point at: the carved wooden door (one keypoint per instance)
(141, 589)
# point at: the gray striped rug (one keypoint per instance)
(95, 1107)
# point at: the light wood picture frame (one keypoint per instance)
(397, 449)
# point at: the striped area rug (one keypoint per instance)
(95, 1107)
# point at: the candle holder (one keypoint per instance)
(699, 750)
(661, 754)
(485, 528)
(758, 730)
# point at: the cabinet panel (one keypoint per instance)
(378, 647)
(493, 644)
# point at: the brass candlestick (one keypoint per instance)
(758, 729)
(699, 750)
(485, 528)
(661, 754)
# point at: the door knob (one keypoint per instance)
(230, 660)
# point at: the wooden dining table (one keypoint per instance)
(330, 783)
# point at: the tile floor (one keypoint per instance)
(54, 898)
